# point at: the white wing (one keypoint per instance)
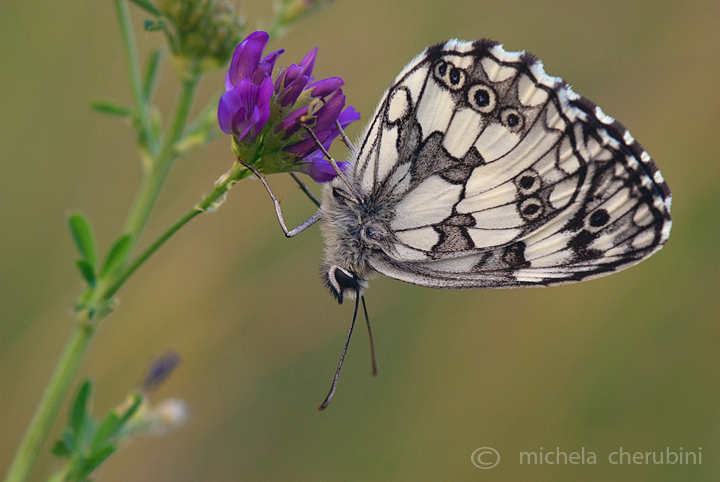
(493, 174)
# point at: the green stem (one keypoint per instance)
(69, 361)
(160, 166)
(136, 80)
(51, 400)
(236, 174)
(163, 156)
(61, 474)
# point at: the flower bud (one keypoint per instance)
(203, 32)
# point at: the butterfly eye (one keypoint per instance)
(450, 76)
(512, 119)
(341, 281)
(345, 279)
(481, 98)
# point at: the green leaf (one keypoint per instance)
(136, 402)
(60, 449)
(68, 438)
(108, 428)
(87, 270)
(110, 107)
(147, 6)
(80, 412)
(113, 423)
(84, 238)
(117, 255)
(94, 460)
(151, 76)
(151, 26)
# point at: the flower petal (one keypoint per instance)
(348, 116)
(263, 104)
(321, 170)
(291, 124)
(291, 93)
(329, 112)
(229, 104)
(325, 87)
(266, 66)
(308, 62)
(244, 110)
(246, 58)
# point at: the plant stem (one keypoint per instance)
(236, 174)
(160, 166)
(52, 398)
(136, 81)
(70, 359)
(162, 157)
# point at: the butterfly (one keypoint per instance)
(479, 170)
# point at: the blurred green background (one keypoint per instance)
(629, 360)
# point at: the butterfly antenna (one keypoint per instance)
(342, 358)
(372, 345)
(357, 198)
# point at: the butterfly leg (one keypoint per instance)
(305, 189)
(289, 233)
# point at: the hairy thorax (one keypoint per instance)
(353, 232)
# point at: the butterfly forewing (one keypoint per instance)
(492, 174)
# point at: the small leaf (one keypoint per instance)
(110, 107)
(94, 460)
(147, 6)
(116, 256)
(151, 26)
(151, 74)
(68, 438)
(130, 411)
(84, 238)
(87, 270)
(79, 413)
(60, 449)
(114, 422)
(107, 429)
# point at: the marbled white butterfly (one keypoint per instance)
(478, 170)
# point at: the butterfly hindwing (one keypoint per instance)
(495, 174)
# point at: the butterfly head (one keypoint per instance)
(343, 283)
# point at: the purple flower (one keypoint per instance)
(323, 126)
(320, 169)
(314, 164)
(161, 369)
(280, 110)
(326, 93)
(244, 108)
(292, 80)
